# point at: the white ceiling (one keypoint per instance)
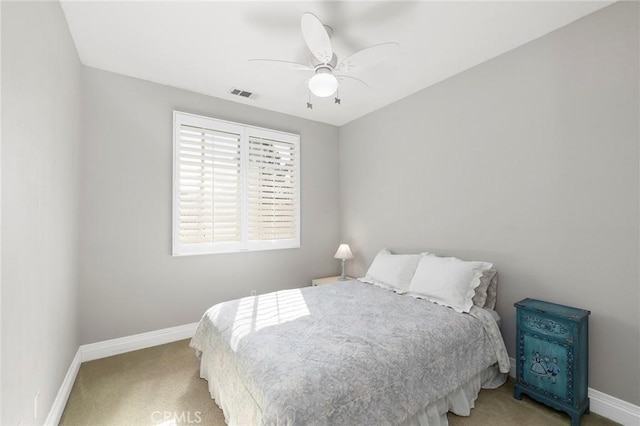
(205, 46)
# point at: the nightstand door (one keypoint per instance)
(546, 366)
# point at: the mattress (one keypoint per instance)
(347, 353)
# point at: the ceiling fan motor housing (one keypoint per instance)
(332, 63)
(323, 69)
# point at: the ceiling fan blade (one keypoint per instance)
(316, 37)
(368, 57)
(348, 77)
(280, 64)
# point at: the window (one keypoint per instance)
(235, 187)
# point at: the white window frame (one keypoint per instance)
(182, 249)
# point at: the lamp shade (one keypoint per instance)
(323, 84)
(344, 252)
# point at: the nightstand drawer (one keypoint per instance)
(552, 327)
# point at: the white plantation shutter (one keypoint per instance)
(235, 187)
(210, 185)
(272, 185)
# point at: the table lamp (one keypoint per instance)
(343, 253)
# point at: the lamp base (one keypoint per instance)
(343, 277)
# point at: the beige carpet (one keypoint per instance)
(161, 386)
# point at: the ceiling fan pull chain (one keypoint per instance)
(309, 104)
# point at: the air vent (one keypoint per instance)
(241, 93)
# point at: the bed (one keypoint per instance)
(346, 353)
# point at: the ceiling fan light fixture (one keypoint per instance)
(324, 61)
(323, 84)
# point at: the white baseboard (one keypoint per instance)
(109, 348)
(606, 405)
(55, 413)
(137, 341)
(613, 408)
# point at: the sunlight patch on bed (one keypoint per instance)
(258, 312)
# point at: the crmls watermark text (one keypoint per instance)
(175, 417)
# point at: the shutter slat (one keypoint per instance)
(210, 150)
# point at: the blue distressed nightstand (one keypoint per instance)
(552, 356)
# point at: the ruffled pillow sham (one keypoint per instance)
(481, 292)
(447, 281)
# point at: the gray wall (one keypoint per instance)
(1, 399)
(41, 76)
(530, 161)
(130, 283)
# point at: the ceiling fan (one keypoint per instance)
(327, 71)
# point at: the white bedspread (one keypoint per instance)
(347, 353)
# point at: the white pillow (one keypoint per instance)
(392, 271)
(447, 281)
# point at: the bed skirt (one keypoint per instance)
(460, 401)
(240, 408)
